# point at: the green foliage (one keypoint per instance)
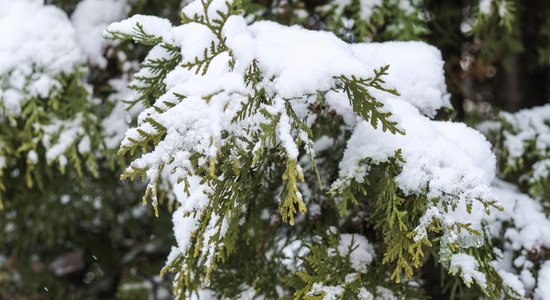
(150, 84)
(396, 218)
(364, 103)
(291, 195)
(489, 27)
(139, 35)
(61, 129)
(362, 21)
(215, 25)
(233, 174)
(99, 218)
(324, 264)
(240, 246)
(328, 266)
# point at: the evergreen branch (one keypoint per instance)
(139, 35)
(291, 198)
(201, 65)
(252, 78)
(365, 104)
(152, 86)
(146, 138)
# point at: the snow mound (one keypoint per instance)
(445, 159)
(48, 42)
(33, 53)
(416, 71)
(90, 18)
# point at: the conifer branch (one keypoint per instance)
(365, 104)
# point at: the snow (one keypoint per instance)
(32, 157)
(185, 225)
(513, 282)
(527, 125)
(284, 132)
(527, 279)
(364, 294)
(444, 160)
(155, 26)
(541, 169)
(524, 228)
(59, 135)
(485, 6)
(49, 42)
(531, 228)
(468, 266)
(416, 71)
(90, 18)
(328, 292)
(383, 293)
(196, 9)
(33, 53)
(116, 123)
(543, 290)
(360, 250)
(302, 61)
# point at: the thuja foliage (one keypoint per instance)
(234, 128)
(60, 126)
(289, 173)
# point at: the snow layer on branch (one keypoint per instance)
(445, 161)
(416, 71)
(38, 36)
(90, 18)
(294, 62)
(199, 106)
(302, 61)
(361, 252)
(69, 132)
(155, 26)
(525, 229)
(443, 158)
(528, 125)
(531, 228)
(307, 61)
(512, 281)
(33, 53)
(543, 290)
(467, 266)
(196, 8)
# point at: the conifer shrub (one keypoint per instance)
(297, 149)
(243, 118)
